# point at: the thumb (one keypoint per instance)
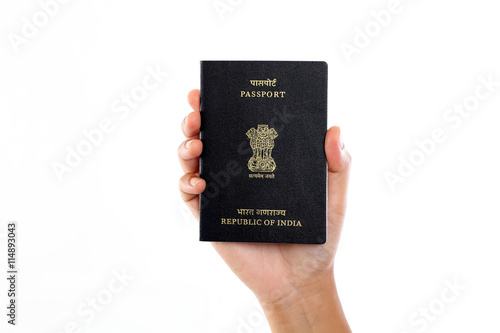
(339, 164)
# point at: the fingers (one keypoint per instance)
(189, 152)
(191, 185)
(339, 164)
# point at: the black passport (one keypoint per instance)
(263, 126)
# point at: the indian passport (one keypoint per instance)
(263, 126)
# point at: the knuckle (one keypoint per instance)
(182, 180)
(181, 145)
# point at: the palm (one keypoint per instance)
(271, 269)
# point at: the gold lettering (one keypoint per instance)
(268, 82)
(262, 94)
(259, 221)
(289, 223)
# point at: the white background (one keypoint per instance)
(119, 209)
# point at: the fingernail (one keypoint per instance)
(194, 181)
(188, 143)
(185, 119)
(341, 141)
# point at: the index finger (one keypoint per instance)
(194, 99)
(192, 122)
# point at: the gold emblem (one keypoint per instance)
(262, 144)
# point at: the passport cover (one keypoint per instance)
(263, 126)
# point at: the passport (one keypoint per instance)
(263, 127)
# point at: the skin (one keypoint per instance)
(294, 283)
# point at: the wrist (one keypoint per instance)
(311, 306)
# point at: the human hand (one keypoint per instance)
(293, 282)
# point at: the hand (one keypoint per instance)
(293, 282)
